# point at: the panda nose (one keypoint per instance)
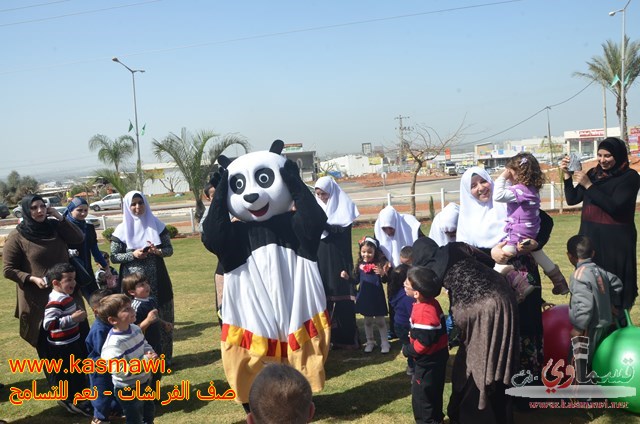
(251, 197)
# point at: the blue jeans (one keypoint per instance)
(137, 411)
(403, 335)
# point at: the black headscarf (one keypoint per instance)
(618, 150)
(426, 252)
(31, 229)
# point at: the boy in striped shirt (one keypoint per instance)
(126, 341)
(428, 345)
(62, 320)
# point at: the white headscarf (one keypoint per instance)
(340, 209)
(406, 226)
(445, 222)
(136, 231)
(479, 224)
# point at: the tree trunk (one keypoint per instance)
(414, 178)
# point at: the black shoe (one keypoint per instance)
(82, 408)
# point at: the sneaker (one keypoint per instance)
(520, 284)
(97, 420)
(368, 347)
(391, 335)
(385, 347)
(410, 370)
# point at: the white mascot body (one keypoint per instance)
(273, 305)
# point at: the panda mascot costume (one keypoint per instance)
(274, 305)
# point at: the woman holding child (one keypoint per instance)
(481, 224)
(40, 241)
(140, 244)
(608, 193)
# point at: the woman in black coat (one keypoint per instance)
(608, 194)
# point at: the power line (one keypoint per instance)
(78, 13)
(254, 37)
(33, 5)
(528, 118)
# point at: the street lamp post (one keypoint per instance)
(135, 112)
(622, 60)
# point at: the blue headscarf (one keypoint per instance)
(75, 202)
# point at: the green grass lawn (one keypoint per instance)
(360, 388)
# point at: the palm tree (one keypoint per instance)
(112, 151)
(120, 183)
(194, 162)
(605, 70)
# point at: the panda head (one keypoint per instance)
(256, 189)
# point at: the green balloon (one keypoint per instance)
(618, 351)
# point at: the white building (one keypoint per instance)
(165, 177)
(352, 165)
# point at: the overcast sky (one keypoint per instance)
(329, 74)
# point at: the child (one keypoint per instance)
(402, 302)
(370, 300)
(595, 293)
(280, 394)
(406, 255)
(105, 406)
(126, 341)
(523, 219)
(428, 345)
(137, 287)
(62, 320)
(107, 276)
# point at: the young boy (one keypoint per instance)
(105, 406)
(402, 303)
(137, 287)
(107, 276)
(406, 255)
(62, 320)
(428, 345)
(280, 394)
(595, 294)
(126, 341)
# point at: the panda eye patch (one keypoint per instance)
(237, 183)
(264, 177)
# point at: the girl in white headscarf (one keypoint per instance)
(335, 262)
(394, 231)
(445, 224)
(139, 244)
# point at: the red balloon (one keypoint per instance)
(556, 333)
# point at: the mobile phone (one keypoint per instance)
(146, 249)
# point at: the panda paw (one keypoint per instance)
(290, 173)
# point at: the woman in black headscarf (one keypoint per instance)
(486, 312)
(39, 242)
(608, 193)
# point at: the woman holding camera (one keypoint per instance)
(608, 193)
(139, 244)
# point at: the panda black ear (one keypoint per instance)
(224, 161)
(276, 147)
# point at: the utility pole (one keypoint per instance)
(401, 129)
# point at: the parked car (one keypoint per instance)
(4, 211)
(110, 201)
